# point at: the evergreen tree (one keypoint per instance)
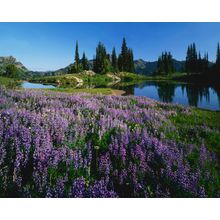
(194, 58)
(120, 62)
(205, 62)
(130, 61)
(77, 58)
(85, 63)
(100, 60)
(191, 64)
(114, 61)
(165, 64)
(126, 59)
(124, 55)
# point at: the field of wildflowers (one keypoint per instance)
(61, 145)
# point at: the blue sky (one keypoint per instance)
(49, 46)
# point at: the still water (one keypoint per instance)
(201, 96)
(28, 85)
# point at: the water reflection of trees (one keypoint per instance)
(195, 93)
(166, 92)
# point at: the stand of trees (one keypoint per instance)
(101, 62)
(165, 64)
(126, 58)
(217, 63)
(205, 73)
(104, 62)
(194, 62)
(79, 64)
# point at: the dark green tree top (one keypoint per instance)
(85, 63)
(114, 60)
(77, 57)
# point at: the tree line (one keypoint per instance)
(104, 62)
(194, 63)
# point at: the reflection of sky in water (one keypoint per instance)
(28, 85)
(187, 95)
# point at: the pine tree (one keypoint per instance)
(99, 63)
(119, 62)
(124, 55)
(130, 61)
(194, 59)
(85, 63)
(187, 63)
(77, 58)
(191, 64)
(205, 62)
(165, 63)
(126, 58)
(114, 61)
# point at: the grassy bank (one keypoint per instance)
(8, 82)
(199, 127)
(95, 91)
(173, 76)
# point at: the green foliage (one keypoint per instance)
(189, 128)
(99, 65)
(126, 58)
(8, 82)
(114, 61)
(77, 67)
(84, 62)
(194, 62)
(107, 66)
(165, 64)
(11, 71)
(95, 91)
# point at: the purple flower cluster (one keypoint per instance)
(62, 145)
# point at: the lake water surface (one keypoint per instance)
(201, 96)
(28, 85)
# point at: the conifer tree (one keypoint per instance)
(119, 62)
(124, 55)
(165, 63)
(191, 59)
(114, 61)
(85, 63)
(130, 61)
(99, 63)
(77, 58)
(126, 58)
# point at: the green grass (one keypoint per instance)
(95, 91)
(64, 80)
(128, 77)
(172, 76)
(8, 82)
(198, 127)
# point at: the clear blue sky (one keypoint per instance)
(49, 46)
